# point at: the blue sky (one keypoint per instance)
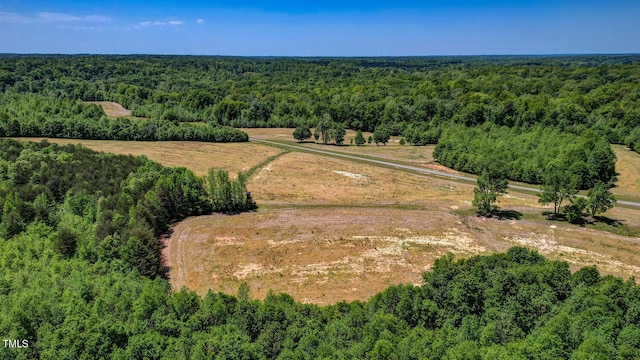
(326, 28)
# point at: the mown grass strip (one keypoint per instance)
(266, 162)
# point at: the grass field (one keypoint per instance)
(330, 229)
(628, 166)
(197, 156)
(112, 109)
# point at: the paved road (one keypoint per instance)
(405, 167)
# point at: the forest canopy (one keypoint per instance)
(427, 100)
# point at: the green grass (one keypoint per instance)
(266, 162)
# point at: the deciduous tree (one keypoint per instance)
(490, 184)
(600, 199)
(558, 185)
(360, 140)
(302, 133)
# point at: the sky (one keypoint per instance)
(325, 28)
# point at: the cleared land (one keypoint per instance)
(197, 156)
(112, 109)
(628, 166)
(628, 162)
(330, 230)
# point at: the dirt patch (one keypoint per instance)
(112, 109)
(321, 255)
(325, 254)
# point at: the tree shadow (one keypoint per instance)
(606, 220)
(507, 214)
(583, 220)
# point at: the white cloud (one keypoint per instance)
(146, 24)
(50, 18)
(61, 17)
(200, 21)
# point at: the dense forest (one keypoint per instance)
(81, 278)
(432, 100)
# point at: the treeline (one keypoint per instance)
(527, 154)
(124, 203)
(414, 97)
(36, 115)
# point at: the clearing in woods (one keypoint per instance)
(331, 229)
(112, 109)
(197, 156)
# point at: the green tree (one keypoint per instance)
(558, 185)
(381, 135)
(302, 133)
(65, 242)
(339, 133)
(228, 195)
(489, 186)
(600, 199)
(360, 140)
(573, 211)
(324, 129)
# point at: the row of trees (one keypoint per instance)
(35, 115)
(559, 186)
(327, 131)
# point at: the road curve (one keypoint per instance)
(405, 167)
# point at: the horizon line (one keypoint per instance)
(326, 56)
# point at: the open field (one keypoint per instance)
(330, 230)
(326, 254)
(111, 108)
(197, 156)
(628, 166)
(392, 151)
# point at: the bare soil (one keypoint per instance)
(326, 254)
(329, 230)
